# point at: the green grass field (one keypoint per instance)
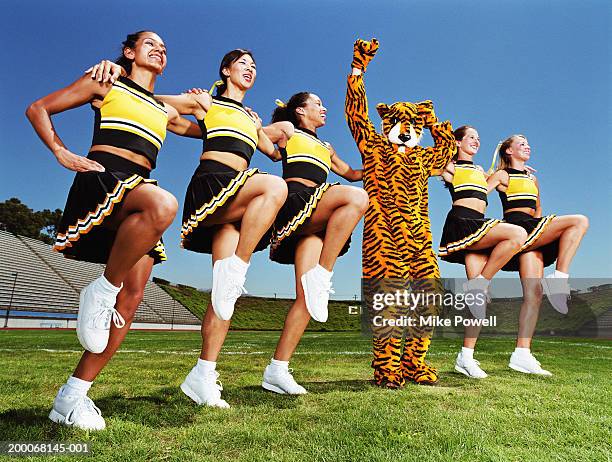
(509, 416)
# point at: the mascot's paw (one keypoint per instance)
(420, 373)
(363, 52)
(388, 379)
(425, 109)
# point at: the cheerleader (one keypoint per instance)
(229, 208)
(482, 244)
(314, 225)
(550, 238)
(115, 213)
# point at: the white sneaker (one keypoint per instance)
(477, 304)
(76, 411)
(228, 285)
(469, 367)
(558, 291)
(93, 321)
(204, 389)
(281, 381)
(526, 363)
(317, 287)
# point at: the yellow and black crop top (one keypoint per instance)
(521, 191)
(229, 128)
(305, 156)
(131, 118)
(468, 181)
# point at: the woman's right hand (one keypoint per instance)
(106, 71)
(77, 163)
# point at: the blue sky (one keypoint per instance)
(534, 67)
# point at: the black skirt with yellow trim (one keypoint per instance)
(463, 228)
(212, 186)
(301, 202)
(534, 227)
(93, 197)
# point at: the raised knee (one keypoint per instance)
(583, 223)
(164, 210)
(518, 238)
(276, 189)
(360, 199)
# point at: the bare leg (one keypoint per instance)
(255, 207)
(474, 263)
(506, 240)
(531, 272)
(338, 212)
(307, 254)
(128, 300)
(214, 330)
(569, 229)
(145, 214)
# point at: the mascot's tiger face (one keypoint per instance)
(403, 123)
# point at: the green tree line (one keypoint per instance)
(17, 218)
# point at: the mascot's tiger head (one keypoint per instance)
(403, 123)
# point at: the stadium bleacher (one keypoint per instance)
(33, 278)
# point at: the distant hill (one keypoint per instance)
(262, 313)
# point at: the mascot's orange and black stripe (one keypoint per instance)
(397, 241)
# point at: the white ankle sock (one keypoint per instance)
(479, 282)
(284, 365)
(323, 272)
(76, 386)
(522, 351)
(467, 353)
(238, 263)
(203, 366)
(107, 288)
(560, 274)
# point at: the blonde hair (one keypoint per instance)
(504, 157)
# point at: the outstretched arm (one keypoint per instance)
(181, 126)
(340, 167)
(356, 104)
(189, 103)
(497, 180)
(279, 133)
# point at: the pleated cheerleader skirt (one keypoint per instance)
(212, 186)
(93, 197)
(463, 228)
(534, 227)
(301, 203)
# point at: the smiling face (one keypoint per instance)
(149, 52)
(519, 148)
(470, 143)
(312, 112)
(241, 73)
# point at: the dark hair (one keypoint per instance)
(129, 42)
(459, 134)
(287, 112)
(229, 59)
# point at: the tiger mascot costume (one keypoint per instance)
(397, 241)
